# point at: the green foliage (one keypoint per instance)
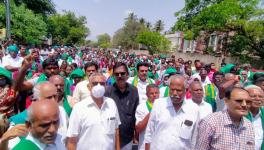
(67, 28)
(154, 41)
(44, 7)
(242, 17)
(26, 26)
(104, 40)
(126, 36)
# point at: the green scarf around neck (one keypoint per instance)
(250, 117)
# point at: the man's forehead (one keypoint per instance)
(239, 93)
(98, 78)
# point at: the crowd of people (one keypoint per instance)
(97, 99)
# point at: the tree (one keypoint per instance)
(243, 18)
(67, 28)
(26, 26)
(104, 40)
(142, 21)
(44, 7)
(154, 41)
(126, 36)
(159, 26)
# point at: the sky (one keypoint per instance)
(107, 16)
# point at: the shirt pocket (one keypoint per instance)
(185, 132)
(111, 125)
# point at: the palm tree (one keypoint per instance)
(159, 26)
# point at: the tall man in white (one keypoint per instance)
(94, 121)
(173, 119)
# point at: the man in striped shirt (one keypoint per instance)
(228, 129)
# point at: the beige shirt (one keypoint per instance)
(81, 91)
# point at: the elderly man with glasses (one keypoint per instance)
(94, 121)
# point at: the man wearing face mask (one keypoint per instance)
(81, 90)
(94, 121)
(173, 120)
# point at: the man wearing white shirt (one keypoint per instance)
(81, 90)
(143, 113)
(173, 120)
(12, 61)
(256, 114)
(197, 94)
(94, 121)
(43, 124)
(141, 81)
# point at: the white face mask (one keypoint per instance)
(98, 91)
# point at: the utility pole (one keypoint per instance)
(8, 18)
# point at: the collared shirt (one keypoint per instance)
(258, 130)
(171, 130)
(204, 108)
(14, 62)
(217, 131)
(81, 91)
(126, 103)
(141, 87)
(94, 127)
(58, 144)
(141, 113)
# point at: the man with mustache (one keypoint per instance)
(43, 123)
(173, 119)
(256, 114)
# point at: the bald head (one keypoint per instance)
(229, 76)
(43, 120)
(56, 78)
(47, 91)
(42, 108)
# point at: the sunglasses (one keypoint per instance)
(120, 73)
(101, 83)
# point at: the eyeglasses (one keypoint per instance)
(240, 101)
(101, 83)
(120, 73)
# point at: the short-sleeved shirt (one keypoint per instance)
(141, 112)
(81, 91)
(94, 127)
(14, 62)
(126, 103)
(171, 130)
(217, 131)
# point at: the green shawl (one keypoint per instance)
(250, 117)
(210, 95)
(135, 81)
(26, 145)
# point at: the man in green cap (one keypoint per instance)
(12, 61)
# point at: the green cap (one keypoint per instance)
(77, 73)
(13, 48)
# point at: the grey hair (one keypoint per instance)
(177, 76)
(95, 75)
(253, 87)
(30, 114)
(36, 92)
(196, 82)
